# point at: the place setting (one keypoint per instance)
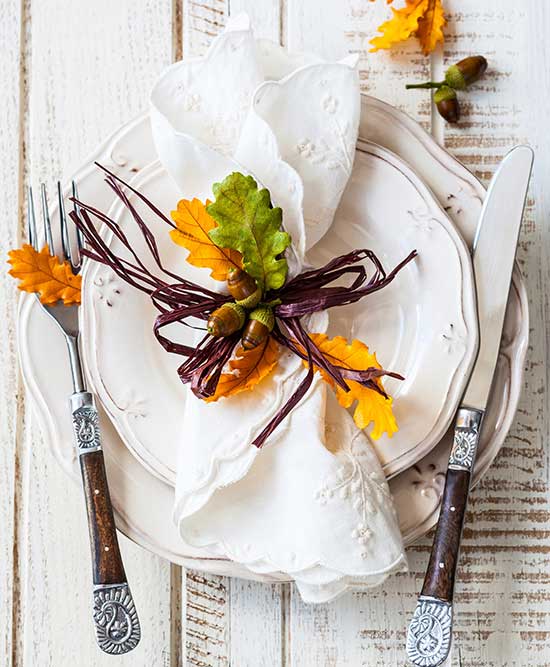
(292, 338)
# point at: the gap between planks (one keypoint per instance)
(19, 453)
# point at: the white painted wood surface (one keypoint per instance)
(70, 73)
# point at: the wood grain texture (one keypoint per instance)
(441, 570)
(106, 559)
(10, 382)
(229, 621)
(88, 67)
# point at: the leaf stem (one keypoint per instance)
(428, 84)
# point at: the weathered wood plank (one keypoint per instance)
(90, 68)
(11, 112)
(230, 622)
(503, 610)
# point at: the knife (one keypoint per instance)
(430, 631)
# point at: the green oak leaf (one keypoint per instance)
(248, 223)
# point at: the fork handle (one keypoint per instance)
(115, 617)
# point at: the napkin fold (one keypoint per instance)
(313, 503)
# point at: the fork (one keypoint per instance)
(115, 618)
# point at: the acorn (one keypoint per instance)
(446, 100)
(226, 319)
(243, 288)
(260, 324)
(465, 72)
(458, 76)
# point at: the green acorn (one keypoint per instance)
(446, 100)
(260, 324)
(226, 319)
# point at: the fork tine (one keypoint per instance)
(46, 219)
(79, 241)
(31, 220)
(65, 241)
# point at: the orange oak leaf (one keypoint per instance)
(423, 18)
(372, 407)
(248, 368)
(39, 272)
(193, 224)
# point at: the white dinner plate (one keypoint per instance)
(142, 502)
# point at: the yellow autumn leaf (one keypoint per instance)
(372, 407)
(39, 272)
(423, 18)
(248, 368)
(193, 224)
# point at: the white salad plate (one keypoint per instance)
(141, 481)
(423, 325)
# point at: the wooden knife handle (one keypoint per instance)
(430, 631)
(115, 617)
(440, 576)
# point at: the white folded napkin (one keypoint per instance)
(313, 502)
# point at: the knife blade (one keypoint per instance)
(430, 631)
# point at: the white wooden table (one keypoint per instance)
(72, 71)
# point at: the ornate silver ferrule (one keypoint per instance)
(85, 423)
(466, 437)
(116, 621)
(430, 632)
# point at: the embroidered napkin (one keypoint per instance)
(313, 502)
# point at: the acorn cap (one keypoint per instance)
(239, 311)
(251, 300)
(444, 93)
(264, 314)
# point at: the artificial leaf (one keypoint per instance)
(371, 405)
(44, 274)
(247, 369)
(248, 223)
(423, 18)
(193, 224)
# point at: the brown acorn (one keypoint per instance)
(226, 319)
(465, 72)
(446, 100)
(458, 76)
(260, 324)
(243, 288)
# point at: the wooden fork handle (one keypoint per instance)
(115, 617)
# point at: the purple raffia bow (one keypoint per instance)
(178, 300)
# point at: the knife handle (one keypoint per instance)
(115, 617)
(430, 632)
(439, 580)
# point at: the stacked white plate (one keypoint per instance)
(405, 192)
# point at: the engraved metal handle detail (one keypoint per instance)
(115, 616)
(466, 437)
(116, 620)
(85, 423)
(429, 636)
